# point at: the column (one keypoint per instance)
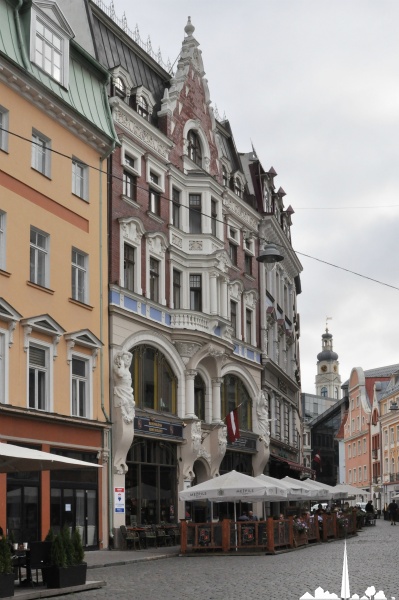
(190, 376)
(214, 293)
(216, 399)
(223, 298)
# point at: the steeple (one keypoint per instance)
(328, 379)
(345, 591)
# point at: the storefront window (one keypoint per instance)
(199, 397)
(151, 483)
(154, 383)
(234, 395)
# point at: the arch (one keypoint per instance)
(245, 376)
(201, 471)
(195, 125)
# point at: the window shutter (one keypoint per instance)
(37, 356)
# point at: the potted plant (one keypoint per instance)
(67, 567)
(6, 570)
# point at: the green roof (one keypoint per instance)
(86, 93)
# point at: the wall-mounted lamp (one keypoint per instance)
(394, 405)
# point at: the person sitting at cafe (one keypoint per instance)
(243, 517)
(252, 517)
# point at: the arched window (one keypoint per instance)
(194, 148)
(120, 88)
(225, 176)
(142, 108)
(199, 397)
(234, 395)
(154, 383)
(323, 392)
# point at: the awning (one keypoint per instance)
(294, 466)
(16, 459)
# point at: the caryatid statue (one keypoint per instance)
(123, 410)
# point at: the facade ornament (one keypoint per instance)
(11, 328)
(262, 412)
(222, 440)
(187, 350)
(124, 410)
(202, 453)
(196, 435)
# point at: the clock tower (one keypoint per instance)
(328, 379)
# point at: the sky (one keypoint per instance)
(314, 86)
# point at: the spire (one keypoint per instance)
(345, 591)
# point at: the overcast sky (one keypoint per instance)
(314, 85)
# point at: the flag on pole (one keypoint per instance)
(233, 428)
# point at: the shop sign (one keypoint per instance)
(156, 427)
(119, 499)
(243, 443)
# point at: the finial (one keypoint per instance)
(327, 319)
(189, 28)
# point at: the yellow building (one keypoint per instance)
(56, 133)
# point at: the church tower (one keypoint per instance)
(328, 379)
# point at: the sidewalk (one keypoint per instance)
(107, 558)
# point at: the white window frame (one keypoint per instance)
(3, 239)
(4, 124)
(60, 29)
(4, 355)
(80, 179)
(155, 167)
(48, 369)
(155, 248)
(88, 379)
(123, 281)
(46, 252)
(131, 233)
(77, 271)
(236, 295)
(41, 153)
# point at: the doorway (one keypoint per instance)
(75, 508)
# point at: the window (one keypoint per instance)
(154, 178)
(176, 289)
(120, 88)
(359, 448)
(386, 437)
(349, 451)
(155, 203)
(41, 153)
(392, 437)
(154, 280)
(80, 175)
(360, 473)
(354, 449)
(248, 326)
(154, 383)
(48, 50)
(129, 185)
(39, 257)
(195, 213)
(364, 445)
(130, 162)
(3, 129)
(248, 264)
(233, 253)
(353, 425)
(235, 395)
(365, 473)
(233, 315)
(195, 293)
(128, 267)
(176, 208)
(225, 176)
(357, 400)
(2, 240)
(194, 148)
(358, 423)
(199, 397)
(142, 108)
(323, 392)
(238, 187)
(350, 476)
(354, 475)
(214, 217)
(79, 276)
(80, 387)
(38, 377)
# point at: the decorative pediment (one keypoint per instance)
(157, 244)
(271, 316)
(54, 14)
(86, 339)
(251, 298)
(223, 261)
(10, 316)
(132, 229)
(43, 324)
(236, 288)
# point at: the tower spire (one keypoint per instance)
(345, 591)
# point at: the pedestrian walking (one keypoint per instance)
(393, 511)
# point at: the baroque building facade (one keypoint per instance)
(53, 271)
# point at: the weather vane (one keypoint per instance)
(328, 319)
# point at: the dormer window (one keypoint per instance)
(237, 187)
(142, 108)
(120, 88)
(49, 41)
(194, 148)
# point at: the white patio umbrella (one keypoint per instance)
(276, 489)
(230, 487)
(15, 459)
(351, 490)
(294, 492)
(329, 492)
(301, 487)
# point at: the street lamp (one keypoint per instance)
(270, 255)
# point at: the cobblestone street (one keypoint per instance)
(372, 559)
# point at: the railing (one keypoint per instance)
(263, 536)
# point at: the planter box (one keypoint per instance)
(6, 585)
(300, 538)
(59, 577)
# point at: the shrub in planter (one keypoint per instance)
(65, 571)
(6, 571)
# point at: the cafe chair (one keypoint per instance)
(131, 539)
(150, 536)
(161, 536)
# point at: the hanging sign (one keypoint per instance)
(119, 499)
